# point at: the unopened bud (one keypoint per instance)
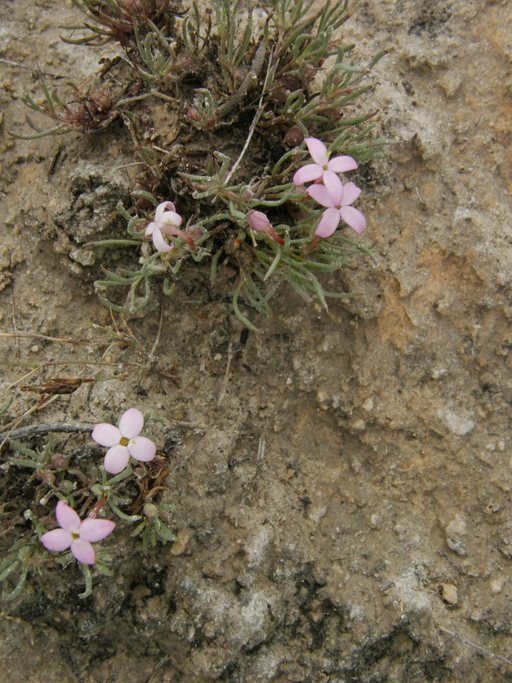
(192, 115)
(60, 461)
(259, 222)
(195, 232)
(294, 137)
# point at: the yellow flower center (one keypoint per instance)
(124, 441)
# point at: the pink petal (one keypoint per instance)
(83, 551)
(342, 164)
(307, 173)
(150, 229)
(328, 223)
(57, 540)
(350, 193)
(160, 244)
(354, 218)
(170, 218)
(131, 423)
(142, 449)
(334, 187)
(67, 517)
(116, 459)
(93, 530)
(320, 194)
(318, 150)
(106, 435)
(163, 207)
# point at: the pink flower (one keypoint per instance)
(167, 222)
(322, 167)
(260, 223)
(75, 534)
(124, 441)
(337, 198)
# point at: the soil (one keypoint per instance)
(341, 480)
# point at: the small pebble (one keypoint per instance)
(375, 521)
(181, 542)
(497, 585)
(456, 532)
(449, 593)
(368, 404)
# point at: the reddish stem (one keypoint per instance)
(312, 246)
(96, 509)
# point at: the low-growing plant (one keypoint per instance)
(221, 101)
(79, 499)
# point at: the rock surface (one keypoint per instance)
(371, 538)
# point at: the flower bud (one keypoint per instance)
(294, 137)
(195, 232)
(259, 222)
(193, 115)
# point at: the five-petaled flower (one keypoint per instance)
(167, 222)
(337, 198)
(75, 534)
(323, 167)
(124, 441)
(260, 223)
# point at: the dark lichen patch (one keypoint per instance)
(431, 18)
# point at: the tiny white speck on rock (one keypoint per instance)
(456, 423)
